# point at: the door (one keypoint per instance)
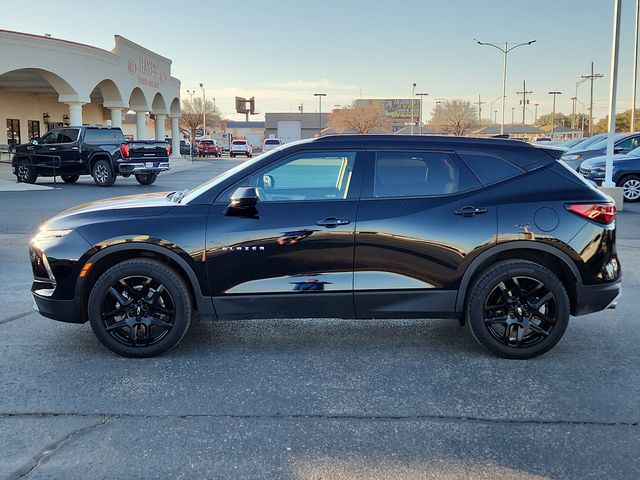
(420, 215)
(68, 151)
(293, 255)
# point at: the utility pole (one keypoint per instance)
(553, 113)
(613, 81)
(524, 100)
(204, 115)
(635, 70)
(573, 115)
(480, 103)
(319, 95)
(591, 77)
(413, 97)
(421, 95)
(513, 111)
(535, 116)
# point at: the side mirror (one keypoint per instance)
(34, 141)
(618, 149)
(244, 197)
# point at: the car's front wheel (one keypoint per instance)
(26, 173)
(630, 188)
(517, 309)
(140, 308)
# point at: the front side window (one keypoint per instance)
(629, 144)
(306, 176)
(416, 174)
(52, 136)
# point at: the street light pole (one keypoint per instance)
(421, 95)
(319, 95)
(505, 51)
(413, 96)
(553, 113)
(204, 109)
(608, 172)
(535, 116)
(591, 77)
(513, 111)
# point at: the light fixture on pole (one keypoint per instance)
(421, 95)
(319, 95)
(204, 109)
(553, 113)
(413, 96)
(505, 51)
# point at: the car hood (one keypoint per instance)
(600, 160)
(145, 205)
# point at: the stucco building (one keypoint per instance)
(46, 82)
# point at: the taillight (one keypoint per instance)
(168, 148)
(125, 149)
(598, 212)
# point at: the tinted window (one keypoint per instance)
(629, 144)
(68, 135)
(306, 176)
(272, 142)
(414, 174)
(94, 135)
(239, 142)
(489, 169)
(51, 137)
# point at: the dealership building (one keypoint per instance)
(47, 82)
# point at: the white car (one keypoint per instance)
(270, 144)
(240, 147)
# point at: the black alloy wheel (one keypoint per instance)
(102, 174)
(140, 308)
(69, 178)
(26, 173)
(518, 309)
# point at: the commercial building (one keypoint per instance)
(289, 127)
(47, 82)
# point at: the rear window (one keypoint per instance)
(239, 142)
(489, 169)
(272, 142)
(206, 142)
(94, 135)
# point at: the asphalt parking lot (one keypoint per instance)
(308, 399)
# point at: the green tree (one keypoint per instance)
(623, 122)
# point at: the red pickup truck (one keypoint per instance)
(209, 147)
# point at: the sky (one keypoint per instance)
(284, 51)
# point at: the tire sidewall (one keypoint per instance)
(172, 282)
(111, 178)
(625, 180)
(488, 280)
(146, 178)
(31, 177)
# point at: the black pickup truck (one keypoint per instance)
(101, 152)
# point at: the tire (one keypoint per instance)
(26, 173)
(517, 309)
(631, 188)
(102, 174)
(146, 178)
(130, 317)
(69, 178)
(231, 155)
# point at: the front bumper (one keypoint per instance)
(594, 298)
(143, 167)
(61, 310)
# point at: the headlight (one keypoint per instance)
(573, 156)
(598, 169)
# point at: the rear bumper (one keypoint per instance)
(594, 298)
(143, 167)
(61, 310)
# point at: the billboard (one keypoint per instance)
(394, 108)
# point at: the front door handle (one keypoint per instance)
(332, 222)
(470, 211)
(52, 148)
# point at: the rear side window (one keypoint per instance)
(489, 169)
(94, 135)
(68, 135)
(415, 174)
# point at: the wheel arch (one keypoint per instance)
(112, 255)
(546, 255)
(101, 156)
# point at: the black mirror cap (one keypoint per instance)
(618, 149)
(244, 197)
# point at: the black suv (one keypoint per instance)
(101, 152)
(494, 233)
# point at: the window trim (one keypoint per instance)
(521, 170)
(368, 182)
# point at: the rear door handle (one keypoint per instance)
(331, 222)
(52, 148)
(470, 211)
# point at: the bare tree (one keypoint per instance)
(191, 117)
(456, 117)
(358, 119)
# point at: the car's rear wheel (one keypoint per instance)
(517, 309)
(630, 188)
(102, 174)
(26, 173)
(146, 178)
(140, 308)
(69, 178)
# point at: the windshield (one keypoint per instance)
(603, 143)
(203, 187)
(586, 142)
